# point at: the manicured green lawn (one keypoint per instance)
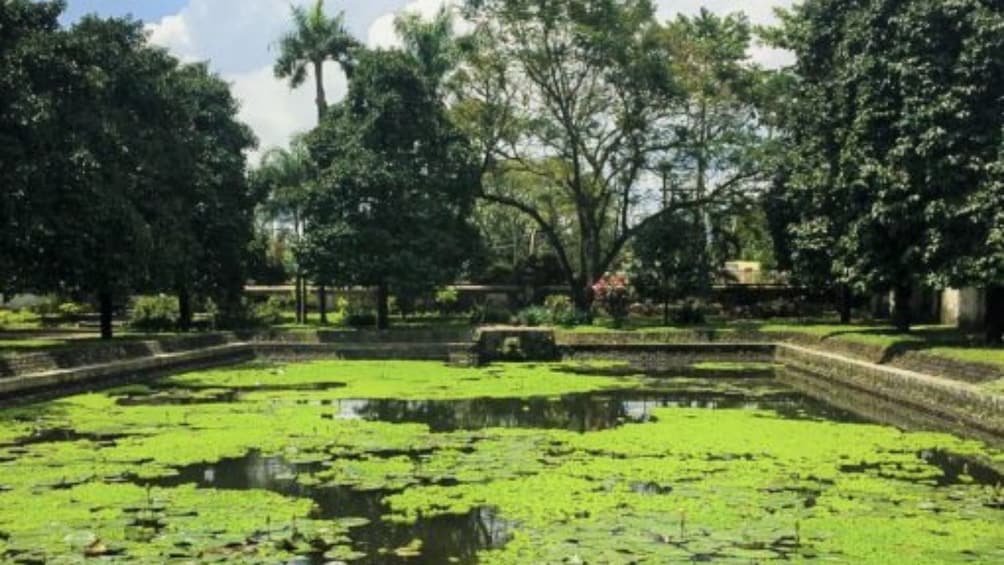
(943, 341)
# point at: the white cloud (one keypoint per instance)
(381, 32)
(275, 112)
(238, 37)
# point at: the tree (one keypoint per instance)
(719, 132)
(285, 176)
(314, 40)
(121, 150)
(432, 43)
(217, 211)
(580, 94)
(895, 160)
(671, 259)
(31, 76)
(392, 209)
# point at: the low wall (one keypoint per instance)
(663, 356)
(965, 405)
(99, 353)
(505, 343)
(959, 406)
(146, 367)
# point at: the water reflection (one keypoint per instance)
(582, 413)
(444, 539)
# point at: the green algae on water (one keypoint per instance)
(741, 484)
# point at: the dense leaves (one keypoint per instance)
(896, 133)
(123, 170)
(393, 204)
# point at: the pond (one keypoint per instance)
(416, 462)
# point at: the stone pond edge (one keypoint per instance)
(961, 403)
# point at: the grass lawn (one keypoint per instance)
(944, 341)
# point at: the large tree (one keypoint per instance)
(393, 206)
(580, 94)
(315, 39)
(121, 150)
(32, 74)
(215, 223)
(896, 142)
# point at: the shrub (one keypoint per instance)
(613, 294)
(12, 318)
(689, 312)
(74, 308)
(447, 299)
(533, 316)
(269, 313)
(360, 319)
(490, 315)
(512, 349)
(47, 305)
(562, 311)
(154, 313)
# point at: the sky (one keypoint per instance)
(238, 38)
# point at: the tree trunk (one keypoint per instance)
(322, 303)
(845, 304)
(321, 99)
(383, 311)
(901, 311)
(298, 297)
(106, 307)
(184, 309)
(582, 299)
(994, 321)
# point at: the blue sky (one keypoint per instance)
(146, 10)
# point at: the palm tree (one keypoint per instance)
(432, 43)
(286, 174)
(314, 40)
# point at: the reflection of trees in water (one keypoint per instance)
(573, 412)
(443, 537)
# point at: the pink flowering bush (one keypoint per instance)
(613, 294)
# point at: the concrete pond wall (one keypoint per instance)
(922, 395)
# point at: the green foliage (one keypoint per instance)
(447, 299)
(689, 312)
(561, 310)
(360, 319)
(10, 319)
(123, 168)
(314, 39)
(534, 316)
(154, 313)
(490, 314)
(393, 206)
(672, 258)
(74, 308)
(748, 484)
(893, 173)
(270, 312)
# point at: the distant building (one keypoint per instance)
(965, 308)
(743, 272)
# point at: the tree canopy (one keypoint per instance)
(125, 169)
(394, 199)
(896, 141)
